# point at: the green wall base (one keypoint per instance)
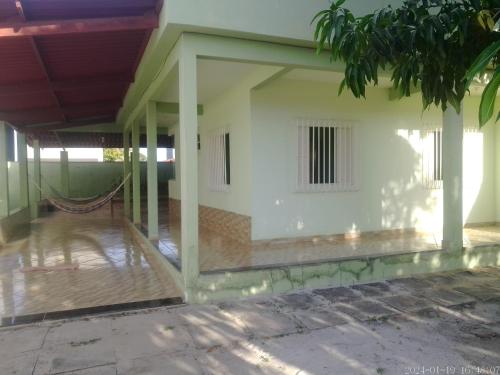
(13, 224)
(240, 284)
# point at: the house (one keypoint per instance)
(279, 183)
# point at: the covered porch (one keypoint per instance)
(231, 261)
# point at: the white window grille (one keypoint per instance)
(219, 175)
(432, 158)
(325, 156)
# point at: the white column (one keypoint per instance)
(188, 130)
(152, 172)
(136, 174)
(453, 130)
(37, 178)
(22, 159)
(4, 172)
(126, 171)
(64, 171)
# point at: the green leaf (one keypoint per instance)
(488, 99)
(482, 61)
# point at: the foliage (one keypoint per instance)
(489, 57)
(113, 154)
(426, 43)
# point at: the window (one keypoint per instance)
(432, 158)
(219, 178)
(325, 156)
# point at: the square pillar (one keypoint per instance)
(37, 178)
(126, 172)
(188, 130)
(136, 174)
(152, 174)
(64, 161)
(22, 158)
(4, 172)
(453, 132)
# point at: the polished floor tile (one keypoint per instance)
(218, 252)
(77, 261)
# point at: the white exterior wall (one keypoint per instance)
(230, 110)
(390, 193)
(274, 20)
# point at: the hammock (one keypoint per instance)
(83, 207)
(61, 196)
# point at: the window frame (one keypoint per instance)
(348, 163)
(432, 173)
(219, 181)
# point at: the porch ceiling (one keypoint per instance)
(214, 77)
(69, 63)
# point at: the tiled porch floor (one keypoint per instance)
(218, 252)
(112, 269)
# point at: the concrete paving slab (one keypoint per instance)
(78, 331)
(374, 289)
(179, 364)
(407, 303)
(18, 364)
(298, 301)
(245, 359)
(150, 338)
(365, 310)
(411, 284)
(76, 356)
(208, 336)
(477, 277)
(444, 279)
(199, 315)
(261, 320)
(318, 318)
(19, 340)
(100, 370)
(447, 297)
(341, 294)
(480, 292)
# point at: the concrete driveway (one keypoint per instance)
(446, 323)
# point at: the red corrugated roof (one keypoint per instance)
(68, 77)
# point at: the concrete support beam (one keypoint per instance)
(22, 158)
(453, 129)
(136, 174)
(4, 172)
(126, 172)
(64, 161)
(151, 132)
(188, 130)
(37, 178)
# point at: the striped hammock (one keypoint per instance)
(82, 207)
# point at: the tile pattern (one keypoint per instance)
(112, 269)
(230, 224)
(220, 252)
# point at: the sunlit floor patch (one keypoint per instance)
(105, 267)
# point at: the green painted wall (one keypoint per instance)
(89, 178)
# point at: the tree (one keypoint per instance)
(113, 154)
(429, 44)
